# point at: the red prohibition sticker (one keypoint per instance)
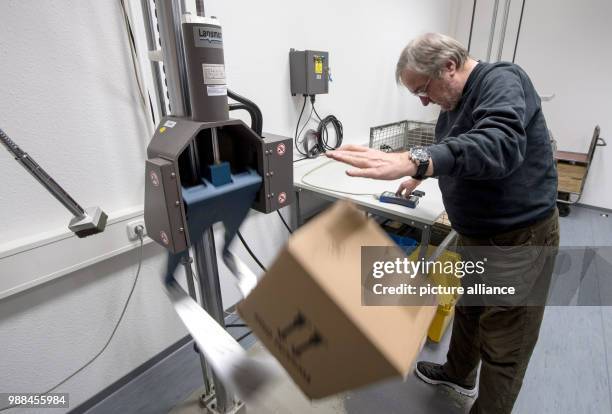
(154, 178)
(164, 237)
(280, 149)
(282, 197)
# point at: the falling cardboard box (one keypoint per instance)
(307, 309)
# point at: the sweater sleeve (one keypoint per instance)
(495, 146)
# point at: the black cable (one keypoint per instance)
(240, 338)
(151, 108)
(300, 159)
(236, 325)
(338, 128)
(295, 138)
(323, 135)
(284, 222)
(518, 32)
(316, 113)
(471, 26)
(304, 126)
(255, 112)
(248, 249)
(112, 335)
(250, 110)
(134, 56)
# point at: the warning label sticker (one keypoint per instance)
(318, 65)
(214, 74)
(216, 90)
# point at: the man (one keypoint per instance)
(495, 169)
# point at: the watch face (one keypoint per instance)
(420, 154)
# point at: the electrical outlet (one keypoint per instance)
(131, 228)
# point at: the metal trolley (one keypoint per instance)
(573, 168)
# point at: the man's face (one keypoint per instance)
(444, 91)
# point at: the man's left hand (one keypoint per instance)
(373, 163)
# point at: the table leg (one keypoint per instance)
(425, 237)
(298, 210)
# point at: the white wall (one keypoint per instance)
(69, 98)
(564, 47)
(363, 38)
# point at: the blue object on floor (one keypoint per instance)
(407, 244)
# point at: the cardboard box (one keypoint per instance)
(307, 309)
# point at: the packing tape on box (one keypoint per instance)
(243, 374)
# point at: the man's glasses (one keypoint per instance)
(422, 92)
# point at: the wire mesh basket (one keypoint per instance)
(402, 135)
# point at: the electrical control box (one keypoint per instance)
(309, 72)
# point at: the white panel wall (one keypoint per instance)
(364, 40)
(564, 47)
(69, 98)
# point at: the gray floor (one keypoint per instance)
(570, 371)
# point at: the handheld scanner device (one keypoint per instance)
(390, 197)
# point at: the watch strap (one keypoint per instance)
(421, 170)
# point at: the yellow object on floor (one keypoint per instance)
(446, 302)
(444, 314)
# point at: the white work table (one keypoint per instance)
(328, 179)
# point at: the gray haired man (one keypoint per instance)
(496, 172)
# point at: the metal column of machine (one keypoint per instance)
(178, 104)
(204, 167)
(154, 57)
(168, 15)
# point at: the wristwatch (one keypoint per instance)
(420, 156)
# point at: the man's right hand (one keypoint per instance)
(407, 187)
(373, 163)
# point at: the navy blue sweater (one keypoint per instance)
(493, 156)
